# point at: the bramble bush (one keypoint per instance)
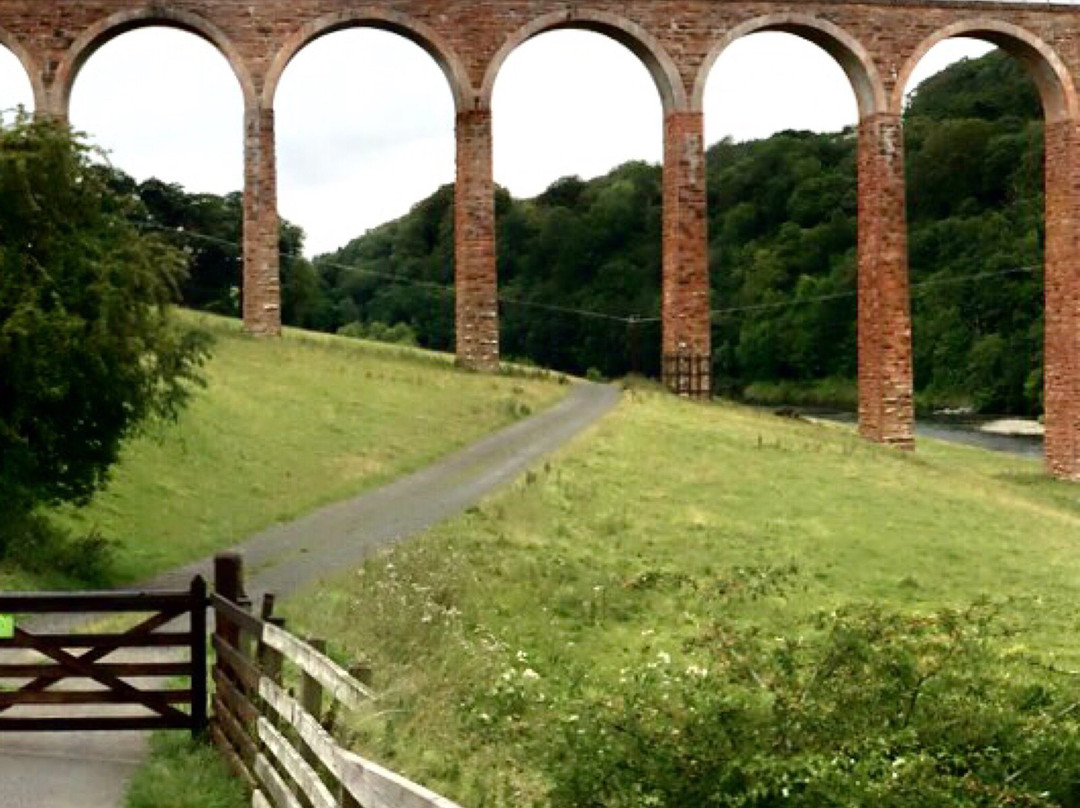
(867, 708)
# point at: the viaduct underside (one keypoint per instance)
(876, 42)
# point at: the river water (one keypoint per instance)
(963, 430)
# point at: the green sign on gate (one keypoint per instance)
(7, 626)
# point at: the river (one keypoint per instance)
(963, 430)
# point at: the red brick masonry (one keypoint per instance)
(877, 42)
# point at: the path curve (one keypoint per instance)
(91, 770)
(289, 556)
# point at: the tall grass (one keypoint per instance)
(182, 773)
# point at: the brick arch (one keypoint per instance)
(1048, 71)
(639, 41)
(30, 65)
(382, 19)
(849, 53)
(111, 27)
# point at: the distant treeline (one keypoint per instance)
(782, 230)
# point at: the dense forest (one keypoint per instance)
(579, 265)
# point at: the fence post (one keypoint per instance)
(229, 583)
(311, 698)
(198, 657)
(270, 660)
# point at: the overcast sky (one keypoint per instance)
(355, 150)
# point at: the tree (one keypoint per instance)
(89, 347)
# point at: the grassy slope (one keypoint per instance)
(608, 556)
(282, 427)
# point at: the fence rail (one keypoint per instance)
(277, 740)
(113, 688)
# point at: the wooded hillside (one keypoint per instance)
(579, 265)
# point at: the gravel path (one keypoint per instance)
(88, 770)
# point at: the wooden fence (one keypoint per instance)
(112, 686)
(277, 739)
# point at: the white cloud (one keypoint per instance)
(15, 89)
(365, 126)
(944, 54)
(572, 102)
(768, 82)
(164, 103)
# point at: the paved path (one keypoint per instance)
(91, 770)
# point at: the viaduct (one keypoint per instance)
(876, 42)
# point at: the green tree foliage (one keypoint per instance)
(360, 282)
(783, 221)
(208, 228)
(592, 246)
(89, 349)
(989, 88)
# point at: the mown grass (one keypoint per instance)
(282, 427)
(629, 545)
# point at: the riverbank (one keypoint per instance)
(830, 398)
(1015, 436)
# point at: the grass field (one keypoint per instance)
(282, 427)
(634, 542)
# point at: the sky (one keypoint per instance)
(355, 151)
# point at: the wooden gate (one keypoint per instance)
(40, 677)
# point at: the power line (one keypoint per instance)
(403, 279)
(597, 315)
(915, 287)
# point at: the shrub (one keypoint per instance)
(397, 334)
(871, 708)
